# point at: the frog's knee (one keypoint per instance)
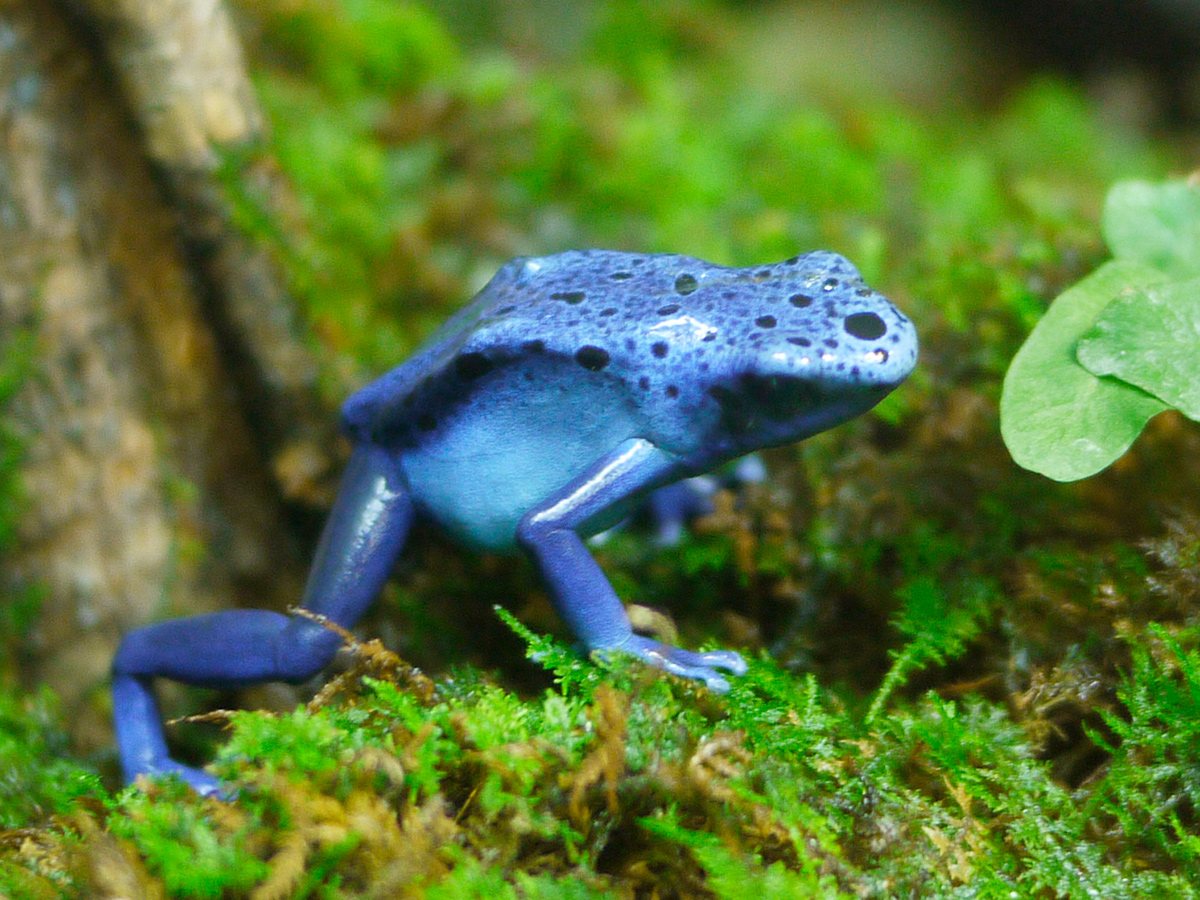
(533, 532)
(304, 648)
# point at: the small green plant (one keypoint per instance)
(1118, 347)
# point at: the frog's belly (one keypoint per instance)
(497, 456)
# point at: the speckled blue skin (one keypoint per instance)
(572, 387)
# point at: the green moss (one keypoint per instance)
(1151, 790)
(38, 777)
(643, 781)
(418, 169)
(196, 855)
(731, 876)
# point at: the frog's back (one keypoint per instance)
(655, 323)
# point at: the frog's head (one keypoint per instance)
(815, 347)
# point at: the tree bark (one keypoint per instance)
(180, 66)
(170, 384)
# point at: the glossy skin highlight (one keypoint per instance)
(568, 391)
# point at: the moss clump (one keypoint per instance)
(622, 781)
(38, 777)
(1150, 793)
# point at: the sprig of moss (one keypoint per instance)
(1151, 789)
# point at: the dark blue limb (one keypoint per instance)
(578, 587)
(362, 537)
(673, 506)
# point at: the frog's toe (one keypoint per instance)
(723, 659)
(206, 785)
(686, 663)
(198, 780)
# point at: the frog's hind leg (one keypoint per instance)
(362, 537)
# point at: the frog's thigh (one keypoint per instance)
(363, 535)
(548, 532)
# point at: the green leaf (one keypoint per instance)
(1155, 224)
(1056, 417)
(1151, 339)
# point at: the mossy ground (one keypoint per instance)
(968, 681)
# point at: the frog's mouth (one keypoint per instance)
(777, 409)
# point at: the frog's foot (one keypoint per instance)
(140, 741)
(198, 780)
(686, 663)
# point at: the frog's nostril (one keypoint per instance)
(867, 326)
(470, 366)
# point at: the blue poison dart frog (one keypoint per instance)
(570, 389)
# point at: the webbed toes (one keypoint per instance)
(198, 780)
(686, 663)
(725, 659)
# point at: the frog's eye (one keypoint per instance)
(685, 284)
(867, 326)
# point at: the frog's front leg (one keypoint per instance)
(362, 536)
(579, 589)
